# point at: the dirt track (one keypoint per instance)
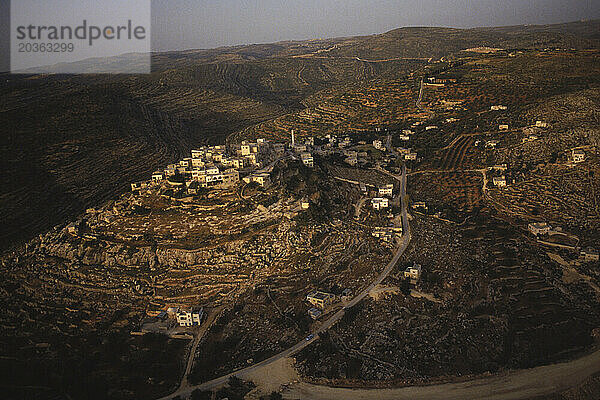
(518, 385)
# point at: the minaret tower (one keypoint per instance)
(293, 142)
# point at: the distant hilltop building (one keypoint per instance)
(499, 181)
(498, 108)
(541, 124)
(578, 155)
(539, 228)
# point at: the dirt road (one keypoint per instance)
(517, 385)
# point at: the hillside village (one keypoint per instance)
(239, 251)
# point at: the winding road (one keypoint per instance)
(517, 385)
(185, 390)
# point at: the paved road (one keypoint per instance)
(186, 390)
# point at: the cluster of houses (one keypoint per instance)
(587, 254)
(384, 193)
(217, 168)
(387, 233)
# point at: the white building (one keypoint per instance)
(379, 202)
(299, 148)
(262, 178)
(578, 155)
(413, 272)
(245, 149)
(307, 159)
(378, 144)
(499, 181)
(498, 108)
(320, 299)
(541, 124)
(199, 153)
(386, 190)
(503, 127)
(190, 317)
(410, 156)
(157, 176)
(539, 228)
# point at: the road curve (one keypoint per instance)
(517, 385)
(184, 390)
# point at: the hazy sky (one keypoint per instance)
(182, 24)
(187, 24)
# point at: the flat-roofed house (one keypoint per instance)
(190, 316)
(157, 176)
(245, 149)
(198, 153)
(198, 163)
(499, 181)
(413, 272)
(262, 178)
(578, 155)
(378, 144)
(379, 202)
(307, 159)
(139, 185)
(351, 160)
(314, 313)
(386, 190)
(320, 299)
(539, 228)
(231, 177)
(420, 204)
